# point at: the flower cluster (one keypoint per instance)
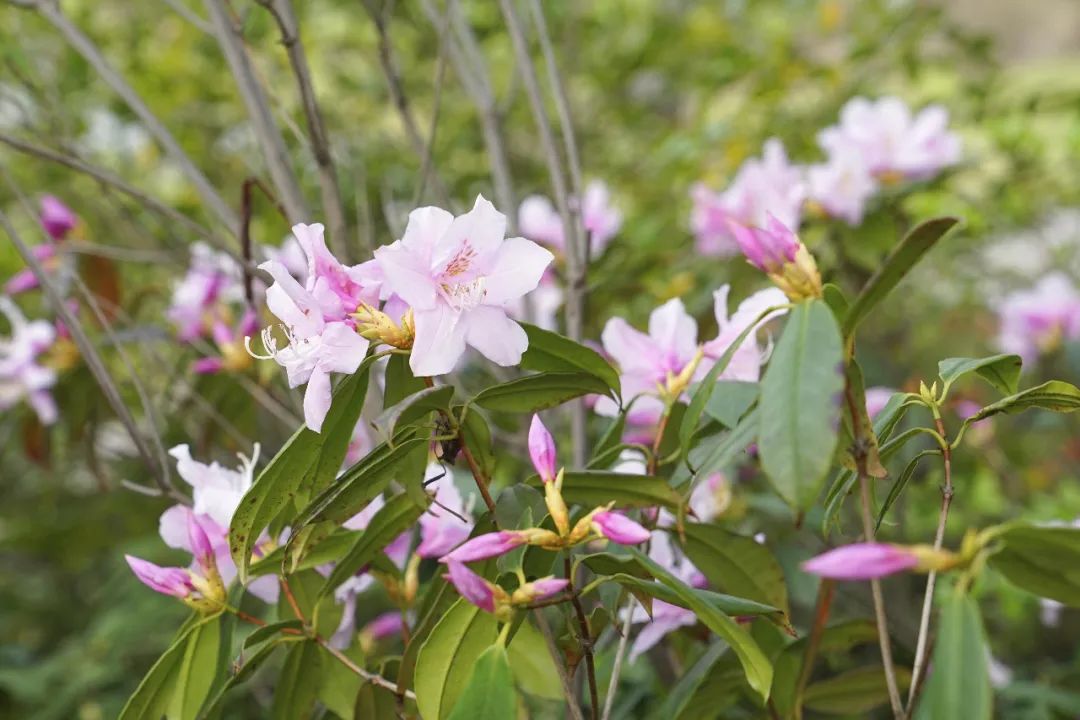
(875, 144)
(540, 221)
(1036, 321)
(601, 522)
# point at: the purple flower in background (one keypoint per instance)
(862, 561)
(876, 399)
(212, 278)
(540, 221)
(442, 527)
(646, 362)
(22, 377)
(48, 255)
(746, 362)
(459, 275)
(542, 306)
(710, 497)
(842, 185)
(230, 343)
(891, 142)
(57, 218)
(769, 185)
(1036, 321)
(618, 528)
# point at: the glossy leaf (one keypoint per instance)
(476, 435)
(297, 687)
(591, 488)
(958, 685)
(551, 352)
(1054, 395)
(800, 404)
(730, 400)
(447, 657)
(1001, 371)
(536, 392)
(690, 681)
(1044, 560)
(414, 407)
(198, 670)
(489, 693)
(534, 670)
(900, 484)
(899, 262)
(718, 455)
(736, 565)
(788, 664)
(855, 692)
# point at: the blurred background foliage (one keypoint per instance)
(664, 93)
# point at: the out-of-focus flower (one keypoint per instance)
(542, 305)
(747, 360)
(865, 561)
(665, 617)
(711, 497)
(47, 255)
(57, 218)
(538, 590)
(446, 524)
(778, 252)
(290, 254)
(387, 625)
(539, 220)
(842, 186)
(212, 278)
(459, 275)
(876, 399)
(892, 143)
(22, 376)
(1036, 321)
(230, 343)
(656, 367)
(769, 185)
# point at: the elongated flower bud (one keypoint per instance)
(538, 590)
(556, 505)
(542, 450)
(618, 528)
(172, 581)
(485, 546)
(778, 252)
(862, 561)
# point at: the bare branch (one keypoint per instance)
(276, 155)
(90, 52)
(185, 12)
(282, 11)
(436, 107)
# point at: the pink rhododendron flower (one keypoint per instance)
(876, 399)
(441, 527)
(471, 586)
(543, 588)
(892, 143)
(212, 277)
(746, 362)
(542, 450)
(22, 377)
(647, 361)
(486, 546)
(540, 221)
(57, 218)
(842, 186)
(777, 251)
(291, 255)
(230, 343)
(387, 625)
(1036, 321)
(862, 561)
(762, 186)
(459, 275)
(618, 528)
(172, 581)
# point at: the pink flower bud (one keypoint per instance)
(485, 546)
(25, 280)
(618, 528)
(208, 365)
(165, 580)
(542, 450)
(471, 586)
(56, 217)
(769, 248)
(539, 590)
(862, 561)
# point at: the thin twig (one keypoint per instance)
(436, 105)
(560, 667)
(585, 639)
(283, 13)
(185, 12)
(620, 652)
(821, 616)
(380, 19)
(231, 40)
(90, 52)
(918, 669)
(574, 305)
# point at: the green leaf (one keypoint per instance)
(271, 631)
(857, 423)
(489, 693)
(590, 488)
(901, 483)
(736, 565)
(609, 445)
(643, 589)
(690, 682)
(537, 392)
(800, 404)
(1001, 371)
(755, 664)
(325, 551)
(730, 401)
(534, 670)
(855, 692)
(959, 681)
(1044, 560)
(910, 250)
(551, 352)
(198, 670)
(720, 455)
(375, 703)
(788, 664)
(338, 685)
(414, 407)
(153, 698)
(297, 687)
(254, 661)
(395, 517)
(476, 435)
(1054, 395)
(324, 612)
(400, 381)
(447, 657)
(307, 461)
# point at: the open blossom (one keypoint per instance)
(540, 221)
(212, 277)
(894, 144)
(201, 586)
(459, 275)
(649, 363)
(777, 251)
(316, 319)
(746, 361)
(842, 186)
(1036, 321)
(22, 376)
(762, 186)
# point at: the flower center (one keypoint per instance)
(464, 296)
(460, 262)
